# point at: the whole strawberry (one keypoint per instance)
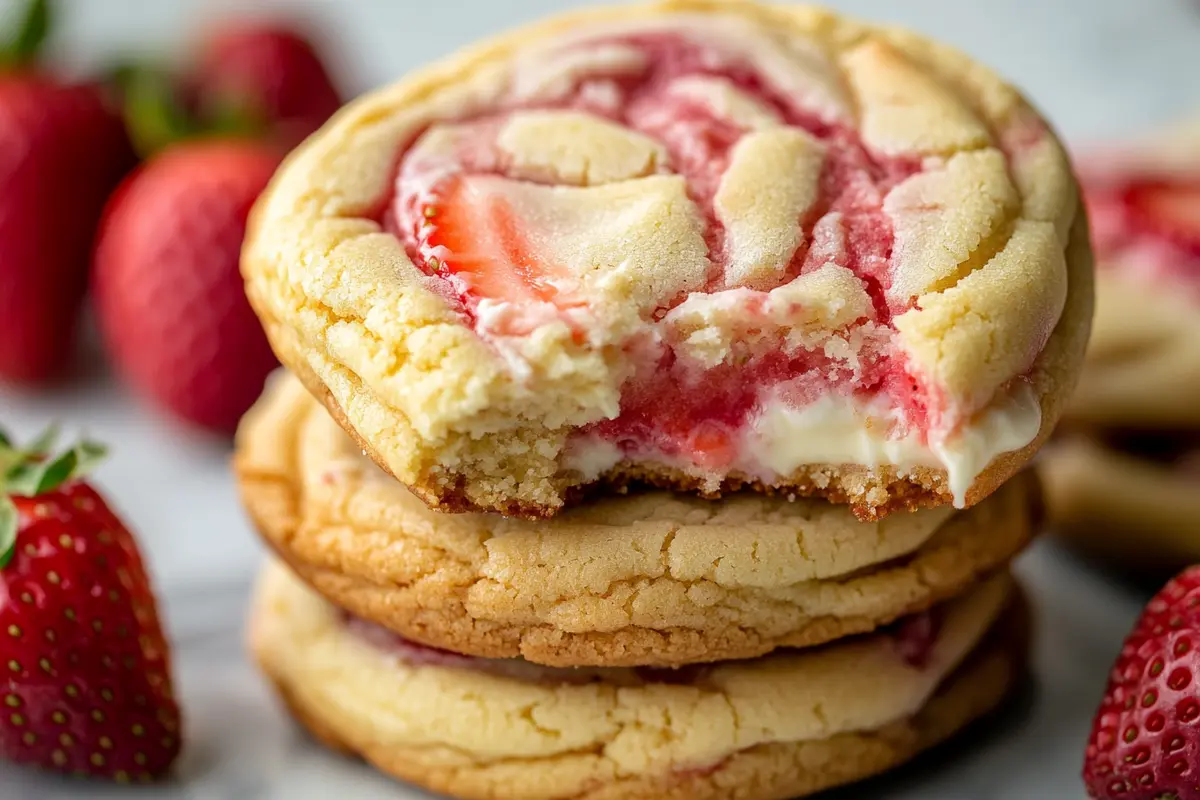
(85, 683)
(1145, 741)
(62, 150)
(168, 294)
(265, 69)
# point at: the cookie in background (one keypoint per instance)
(1123, 481)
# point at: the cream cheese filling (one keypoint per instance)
(836, 430)
(839, 430)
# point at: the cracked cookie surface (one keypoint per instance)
(780, 726)
(643, 579)
(700, 244)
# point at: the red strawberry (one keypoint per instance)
(169, 297)
(62, 150)
(1145, 741)
(482, 242)
(1168, 208)
(269, 70)
(86, 684)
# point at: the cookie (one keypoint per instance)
(643, 579)
(699, 244)
(1127, 510)
(1142, 369)
(1124, 482)
(785, 725)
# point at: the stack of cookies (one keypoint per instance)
(1124, 481)
(661, 379)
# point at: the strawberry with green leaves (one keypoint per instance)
(85, 678)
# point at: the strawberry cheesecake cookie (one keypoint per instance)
(644, 579)
(696, 243)
(1125, 479)
(785, 725)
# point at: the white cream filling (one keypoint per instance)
(591, 457)
(835, 430)
(838, 430)
(1011, 422)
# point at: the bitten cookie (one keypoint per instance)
(782, 726)
(644, 579)
(1125, 479)
(701, 244)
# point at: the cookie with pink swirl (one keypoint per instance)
(694, 243)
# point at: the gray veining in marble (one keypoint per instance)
(1097, 67)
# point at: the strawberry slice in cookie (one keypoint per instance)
(704, 248)
(474, 238)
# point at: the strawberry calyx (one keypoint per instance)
(35, 470)
(23, 34)
(158, 111)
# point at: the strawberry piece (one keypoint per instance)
(915, 637)
(268, 70)
(1145, 740)
(711, 444)
(169, 296)
(484, 246)
(62, 150)
(1170, 209)
(86, 686)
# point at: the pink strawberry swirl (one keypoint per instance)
(673, 407)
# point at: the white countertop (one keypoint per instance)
(1097, 68)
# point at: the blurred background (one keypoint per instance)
(1097, 67)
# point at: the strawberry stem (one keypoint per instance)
(157, 112)
(21, 42)
(32, 470)
(154, 113)
(9, 520)
(33, 478)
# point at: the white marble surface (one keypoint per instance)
(1099, 68)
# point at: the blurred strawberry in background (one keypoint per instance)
(169, 297)
(168, 294)
(62, 150)
(264, 69)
